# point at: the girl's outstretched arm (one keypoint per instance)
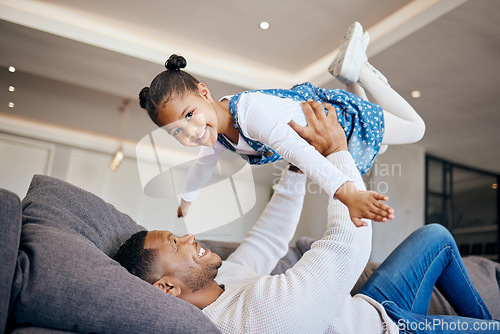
(361, 204)
(264, 119)
(198, 175)
(364, 204)
(183, 208)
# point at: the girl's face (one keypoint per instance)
(191, 118)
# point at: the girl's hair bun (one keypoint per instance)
(144, 97)
(175, 62)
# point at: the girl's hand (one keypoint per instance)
(183, 208)
(364, 204)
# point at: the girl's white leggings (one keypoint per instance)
(403, 125)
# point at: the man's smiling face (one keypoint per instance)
(183, 258)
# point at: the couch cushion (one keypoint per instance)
(38, 330)
(484, 274)
(10, 233)
(66, 280)
(53, 202)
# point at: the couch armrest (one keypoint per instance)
(10, 233)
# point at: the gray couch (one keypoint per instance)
(57, 275)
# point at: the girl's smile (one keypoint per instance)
(191, 120)
(194, 119)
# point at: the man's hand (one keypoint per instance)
(322, 131)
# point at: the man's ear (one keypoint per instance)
(167, 286)
(204, 91)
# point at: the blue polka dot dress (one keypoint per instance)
(363, 123)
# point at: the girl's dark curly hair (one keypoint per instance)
(167, 85)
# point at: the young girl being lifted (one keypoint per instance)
(259, 125)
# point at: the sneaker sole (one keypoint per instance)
(337, 68)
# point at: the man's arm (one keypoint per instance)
(315, 291)
(268, 240)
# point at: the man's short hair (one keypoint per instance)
(136, 259)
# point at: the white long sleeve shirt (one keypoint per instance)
(312, 296)
(264, 118)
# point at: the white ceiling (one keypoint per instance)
(77, 60)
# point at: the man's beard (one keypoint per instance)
(197, 279)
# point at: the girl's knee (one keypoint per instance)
(420, 131)
(417, 130)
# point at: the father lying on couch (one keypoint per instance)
(240, 296)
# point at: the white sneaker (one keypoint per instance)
(351, 55)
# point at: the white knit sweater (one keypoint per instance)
(312, 296)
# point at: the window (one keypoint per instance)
(466, 201)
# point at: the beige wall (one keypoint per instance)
(399, 173)
(27, 148)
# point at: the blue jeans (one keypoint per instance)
(404, 281)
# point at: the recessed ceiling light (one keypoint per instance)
(11, 104)
(416, 94)
(264, 25)
(12, 88)
(12, 69)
